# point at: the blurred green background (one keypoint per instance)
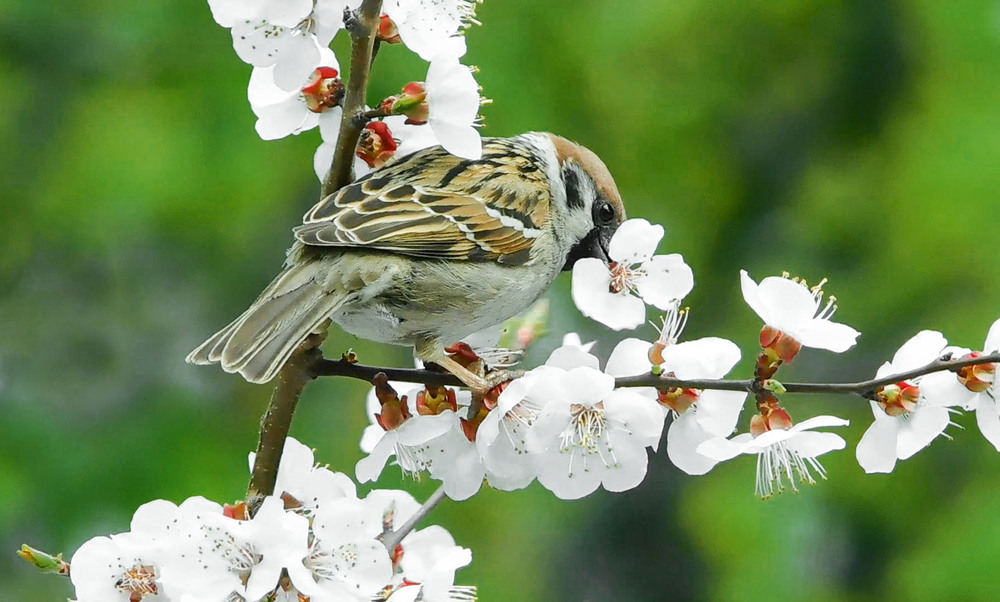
(854, 140)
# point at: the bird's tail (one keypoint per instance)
(258, 343)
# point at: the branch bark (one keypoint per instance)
(276, 422)
(362, 27)
(862, 388)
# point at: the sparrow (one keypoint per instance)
(428, 250)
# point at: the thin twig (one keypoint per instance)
(393, 538)
(276, 422)
(362, 27)
(367, 373)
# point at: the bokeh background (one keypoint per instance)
(854, 140)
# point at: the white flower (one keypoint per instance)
(280, 541)
(453, 106)
(906, 418)
(782, 454)
(791, 307)
(697, 415)
(454, 460)
(589, 434)
(430, 559)
(501, 437)
(430, 27)
(313, 102)
(407, 442)
(616, 296)
(283, 34)
(345, 559)
(572, 338)
(310, 485)
(572, 356)
(117, 569)
(973, 388)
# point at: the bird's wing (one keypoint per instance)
(435, 205)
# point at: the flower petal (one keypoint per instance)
(629, 358)
(717, 412)
(668, 279)
(810, 444)
(635, 241)
(683, 438)
(876, 452)
(709, 357)
(824, 334)
(988, 420)
(592, 296)
(920, 428)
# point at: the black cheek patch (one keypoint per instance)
(574, 196)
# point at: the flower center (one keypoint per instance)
(623, 277)
(899, 399)
(977, 378)
(677, 399)
(324, 90)
(138, 582)
(586, 427)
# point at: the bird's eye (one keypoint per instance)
(605, 213)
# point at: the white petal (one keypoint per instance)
(322, 159)
(717, 412)
(629, 358)
(328, 16)
(421, 429)
(993, 338)
(876, 452)
(554, 474)
(642, 417)
(586, 386)
(630, 470)
(789, 304)
(721, 449)
(823, 334)
(258, 42)
(988, 420)
(370, 467)
(431, 27)
(920, 428)
(817, 422)
(228, 12)
(751, 294)
(668, 279)
(298, 59)
(283, 119)
(568, 357)
(944, 389)
(452, 91)
(288, 13)
(810, 444)
(458, 139)
(635, 241)
(592, 296)
(709, 357)
(922, 349)
(683, 438)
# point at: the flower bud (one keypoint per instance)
(324, 90)
(46, 563)
(412, 102)
(387, 31)
(376, 145)
(394, 409)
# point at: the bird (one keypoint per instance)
(427, 250)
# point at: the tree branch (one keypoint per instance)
(362, 27)
(393, 538)
(276, 422)
(367, 373)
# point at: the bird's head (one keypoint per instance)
(593, 205)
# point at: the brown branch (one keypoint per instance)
(862, 388)
(276, 422)
(362, 27)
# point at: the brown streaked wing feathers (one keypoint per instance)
(436, 205)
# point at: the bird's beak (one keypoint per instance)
(592, 245)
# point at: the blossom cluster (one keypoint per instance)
(314, 540)
(296, 84)
(567, 425)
